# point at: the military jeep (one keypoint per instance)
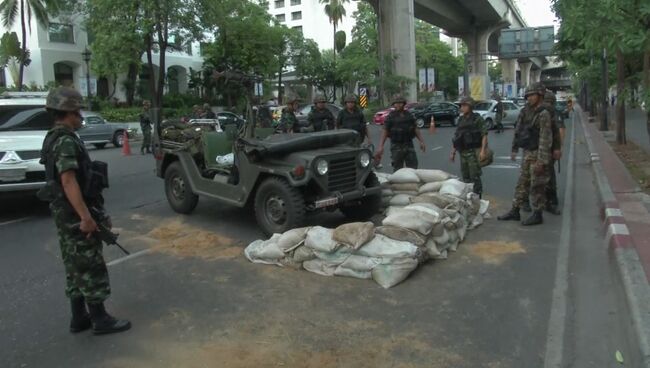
(281, 177)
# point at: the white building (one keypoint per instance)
(309, 17)
(56, 54)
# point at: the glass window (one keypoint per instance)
(483, 106)
(63, 33)
(93, 120)
(296, 15)
(295, 2)
(279, 4)
(34, 119)
(298, 28)
(280, 17)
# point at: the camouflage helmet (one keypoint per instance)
(549, 97)
(290, 99)
(319, 98)
(64, 99)
(398, 99)
(467, 101)
(535, 89)
(350, 98)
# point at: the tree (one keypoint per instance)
(25, 9)
(335, 11)
(12, 55)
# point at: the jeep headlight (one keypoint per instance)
(322, 167)
(364, 159)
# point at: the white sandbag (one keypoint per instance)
(405, 187)
(410, 194)
(438, 230)
(426, 208)
(455, 187)
(334, 258)
(265, 251)
(382, 177)
(382, 246)
(462, 231)
(360, 263)
(387, 193)
(430, 187)
(354, 234)
(432, 248)
(402, 234)
(302, 254)
(473, 204)
(346, 272)
(292, 239)
(476, 222)
(400, 200)
(429, 176)
(320, 239)
(319, 267)
(389, 275)
(415, 220)
(485, 205)
(404, 175)
(443, 255)
(443, 239)
(454, 240)
(440, 200)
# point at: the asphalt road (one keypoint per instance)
(196, 302)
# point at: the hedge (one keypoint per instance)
(132, 114)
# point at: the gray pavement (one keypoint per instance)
(194, 306)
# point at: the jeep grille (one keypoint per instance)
(342, 175)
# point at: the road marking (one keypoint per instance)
(503, 166)
(554, 356)
(15, 221)
(437, 148)
(507, 158)
(129, 257)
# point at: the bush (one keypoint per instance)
(181, 100)
(132, 114)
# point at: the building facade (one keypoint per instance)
(56, 53)
(308, 16)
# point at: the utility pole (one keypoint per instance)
(603, 120)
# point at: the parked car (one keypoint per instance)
(303, 112)
(488, 109)
(442, 112)
(380, 116)
(98, 132)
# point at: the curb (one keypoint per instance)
(624, 253)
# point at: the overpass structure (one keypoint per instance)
(477, 22)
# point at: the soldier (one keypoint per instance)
(401, 128)
(534, 135)
(196, 112)
(146, 126)
(558, 127)
(288, 121)
(74, 185)
(499, 115)
(207, 112)
(352, 118)
(320, 117)
(470, 139)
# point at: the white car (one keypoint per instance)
(488, 111)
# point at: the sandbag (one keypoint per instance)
(438, 230)
(415, 220)
(292, 239)
(426, 208)
(442, 240)
(430, 187)
(438, 199)
(485, 205)
(302, 254)
(455, 187)
(355, 234)
(476, 222)
(319, 267)
(346, 272)
(387, 193)
(429, 176)
(320, 239)
(360, 263)
(382, 246)
(453, 241)
(389, 275)
(402, 234)
(404, 175)
(400, 200)
(432, 248)
(265, 251)
(406, 187)
(443, 255)
(410, 194)
(334, 258)
(473, 204)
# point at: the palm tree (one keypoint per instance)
(335, 11)
(25, 9)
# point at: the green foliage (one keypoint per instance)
(180, 100)
(495, 71)
(132, 114)
(12, 55)
(340, 40)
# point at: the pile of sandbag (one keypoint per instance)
(427, 215)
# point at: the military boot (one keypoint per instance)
(526, 207)
(80, 317)
(534, 219)
(104, 323)
(513, 215)
(553, 209)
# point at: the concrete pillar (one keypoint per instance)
(397, 30)
(509, 75)
(525, 73)
(535, 75)
(477, 47)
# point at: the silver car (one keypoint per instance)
(488, 111)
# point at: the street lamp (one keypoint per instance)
(86, 57)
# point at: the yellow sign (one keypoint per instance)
(476, 87)
(363, 97)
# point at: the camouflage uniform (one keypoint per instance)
(401, 127)
(529, 183)
(320, 119)
(85, 270)
(146, 127)
(469, 157)
(288, 121)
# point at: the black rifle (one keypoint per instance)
(104, 232)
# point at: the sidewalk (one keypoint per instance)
(626, 213)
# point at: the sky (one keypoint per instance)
(538, 13)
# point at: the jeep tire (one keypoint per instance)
(366, 207)
(279, 207)
(177, 188)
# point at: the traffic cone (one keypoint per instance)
(126, 148)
